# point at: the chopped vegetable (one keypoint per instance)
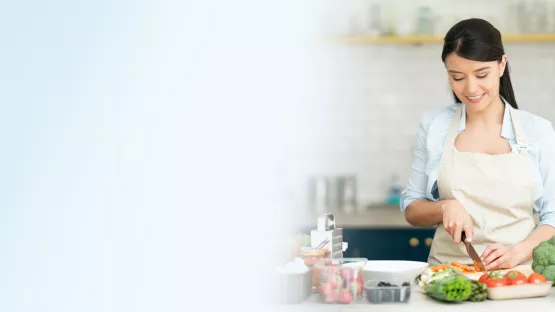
(464, 268)
(477, 266)
(451, 288)
(440, 267)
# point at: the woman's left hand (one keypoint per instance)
(499, 256)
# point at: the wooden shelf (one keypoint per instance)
(365, 40)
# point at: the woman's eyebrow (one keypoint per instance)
(477, 70)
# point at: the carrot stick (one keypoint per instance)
(465, 268)
(440, 267)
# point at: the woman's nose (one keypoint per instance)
(471, 86)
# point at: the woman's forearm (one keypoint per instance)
(540, 234)
(424, 213)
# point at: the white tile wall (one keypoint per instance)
(376, 97)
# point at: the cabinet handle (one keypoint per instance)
(413, 242)
(428, 242)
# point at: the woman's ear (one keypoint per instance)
(502, 65)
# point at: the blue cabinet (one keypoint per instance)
(389, 243)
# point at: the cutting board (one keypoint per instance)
(524, 269)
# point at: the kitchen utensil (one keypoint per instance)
(326, 231)
(323, 243)
(473, 254)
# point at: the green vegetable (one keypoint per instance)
(451, 288)
(543, 259)
(549, 273)
(538, 267)
(479, 292)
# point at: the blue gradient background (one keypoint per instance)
(139, 141)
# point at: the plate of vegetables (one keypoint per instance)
(455, 283)
(449, 283)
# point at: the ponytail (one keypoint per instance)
(506, 88)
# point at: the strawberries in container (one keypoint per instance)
(341, 280)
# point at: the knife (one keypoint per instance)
(473, 254)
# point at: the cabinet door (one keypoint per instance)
(388, 243)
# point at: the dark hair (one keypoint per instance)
(477, 40)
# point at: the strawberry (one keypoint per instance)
(326, 289)
(332, 297)
(336, 282)
(345, 296)
(347, 274)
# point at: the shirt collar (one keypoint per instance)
(507, 130)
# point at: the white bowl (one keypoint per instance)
(385, 270)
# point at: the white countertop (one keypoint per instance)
(420, 301)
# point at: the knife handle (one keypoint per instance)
(463, 237)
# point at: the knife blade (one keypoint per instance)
(473, 254)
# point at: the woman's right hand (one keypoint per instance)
(456, 220)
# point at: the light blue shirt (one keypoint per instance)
(431, 136)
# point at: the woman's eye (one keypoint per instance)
(457, 79)
(483, 76)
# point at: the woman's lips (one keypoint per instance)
(475, 98)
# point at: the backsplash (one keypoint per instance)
(377, 95)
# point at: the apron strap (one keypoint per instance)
(452, 132)
(522, 143)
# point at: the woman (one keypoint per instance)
(482, 166)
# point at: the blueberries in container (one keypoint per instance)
(387, 291)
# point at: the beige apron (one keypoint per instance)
(497, 191)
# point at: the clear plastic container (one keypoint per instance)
(387, 291)
(341, 280)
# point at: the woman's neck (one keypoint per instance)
(491, 115)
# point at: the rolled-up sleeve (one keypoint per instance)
(546, 160)
(416, 186)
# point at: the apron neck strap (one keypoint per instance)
(521, 141)
(453, 129)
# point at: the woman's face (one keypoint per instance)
(476, 84)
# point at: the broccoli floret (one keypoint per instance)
(545, 243)
(551, 255)
(538, 268)
(540, 255)
(543, 256)
(549, 272)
